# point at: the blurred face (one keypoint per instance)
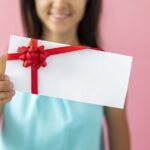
(60, 16)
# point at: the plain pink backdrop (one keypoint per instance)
(125, 29)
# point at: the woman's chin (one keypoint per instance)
(59, 29)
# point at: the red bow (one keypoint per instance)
(35, 56)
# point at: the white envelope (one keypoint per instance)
(88, 76)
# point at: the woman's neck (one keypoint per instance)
(69, 38)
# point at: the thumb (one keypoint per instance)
(2, 64)
(2, 71)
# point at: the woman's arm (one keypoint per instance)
(117, 129)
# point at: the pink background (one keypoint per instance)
(125, 29)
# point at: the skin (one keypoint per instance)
(60, 20)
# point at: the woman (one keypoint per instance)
(42, 123)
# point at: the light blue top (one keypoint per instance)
(45, 123)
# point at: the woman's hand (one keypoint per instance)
(6, 86)
(6, 89)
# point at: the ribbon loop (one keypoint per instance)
(33, 55)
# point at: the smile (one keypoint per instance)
(59, 16)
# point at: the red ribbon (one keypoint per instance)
(34, 56)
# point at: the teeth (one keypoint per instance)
(59, 15)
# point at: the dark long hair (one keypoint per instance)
(87, 29)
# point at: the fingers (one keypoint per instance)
(3, 101)
(6, 86)
(3, 77)
(6, 89)
(6, 95)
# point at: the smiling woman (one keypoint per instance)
(60, 17)
(42, 123)
(82, 20)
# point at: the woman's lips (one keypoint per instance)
(59, 16)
